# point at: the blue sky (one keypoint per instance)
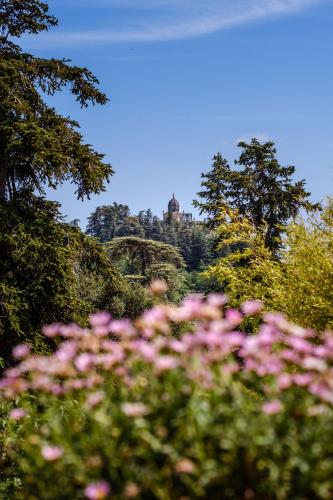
(188, 78)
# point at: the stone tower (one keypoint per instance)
(174, 214)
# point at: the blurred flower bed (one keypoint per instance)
(178, 404)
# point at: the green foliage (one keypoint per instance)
(38, 146)
(144, 252)
(49, 272)
(105, 221)
(306, 291)
(194, 240)
(300, 284)
(260, 189)
(29, 16)
(247, 267)
(214, 194)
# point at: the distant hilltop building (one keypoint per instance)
(174, 213)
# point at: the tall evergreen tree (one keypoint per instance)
(38, 146)
(131, 227)
(106, 220)
(260, 189)
(213, 192)
(146, 219)
(157, 229)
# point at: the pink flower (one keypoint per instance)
(290, 355)
(21, 351)
(52, 330)
(321, 351)
(52, 453)
(66, 351)
(234, 339)
(276, 319)
(321, 390)
(164, 363)
(312, 363)
(95, 398)
(185, 466)
(97, 491)
(300, 344)
(284, 381)
(252, 307)
(158, 287)
(268, 335)
(134, 409)
(272, 407)
(147, 350)
(101, 330)
(84, 362)
(273, 366)
(122, 327)
(178, 346)
(298, 331)
(156, 314)
(17, 414)
(234, 316)
(302, 379)
(251, 345)
(217, 299)
(191, 308)
(100, 319)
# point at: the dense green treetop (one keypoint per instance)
(213, 194)
(194, 240)
(260, 188)
(50, 271)
(38, 146)
(105, 221)
(147, 252)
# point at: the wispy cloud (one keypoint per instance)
(164, 20)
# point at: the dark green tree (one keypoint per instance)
(49, 271)
(146, 219)
(38, 146)
(170, 232)
(145, 252)
(131, 227)
(157, 229)
(260, 188)
(202, 244)
(106, 220)
(213, 193)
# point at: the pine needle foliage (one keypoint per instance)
(38, 146)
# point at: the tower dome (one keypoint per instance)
(173, 205)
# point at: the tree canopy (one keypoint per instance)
(146, 252)
(194, 240)
(105, 221)
(260, 189)
(38, 146)
(50, 271)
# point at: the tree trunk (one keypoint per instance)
(3, 173)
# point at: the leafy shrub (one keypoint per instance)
(49, 272)
(300, 283)
(128, 410)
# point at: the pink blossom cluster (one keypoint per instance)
(212, 349)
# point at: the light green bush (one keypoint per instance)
(300, 283)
